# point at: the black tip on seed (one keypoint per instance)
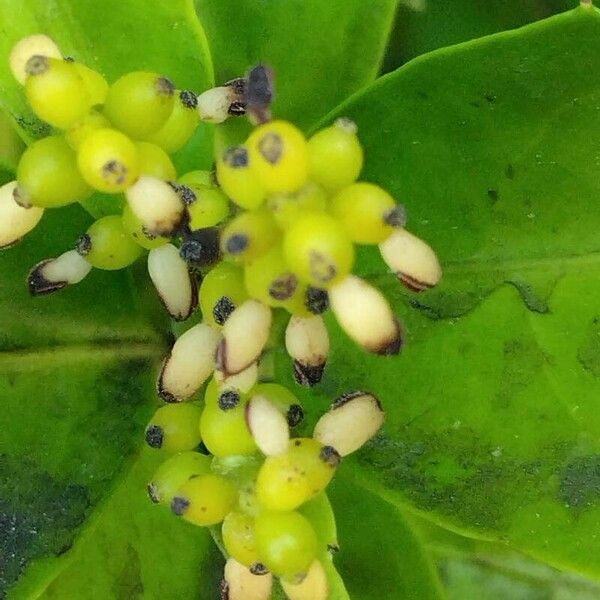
(200, 248)
(295, 415)
(237, 243)
(238, 85)
(188, 99)
(186, 193)
(155, 436)
(392, 347)
(179, 505)
(222, 309)
(284, 287)
(258, 569)
(164, 86)
(330, 456)
(308, 375)
(229, 399)
(36, 65)
(83, 245)
(224, 590)
(235, 156)
(38, 285)
(317, 300)
(345, 398)
(237, 109)
(395, 217)
(153, 493)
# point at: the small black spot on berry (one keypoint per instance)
(229, 399)
(222, 309)
(179, 505)
(155, 436)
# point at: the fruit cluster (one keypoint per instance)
(273, 228)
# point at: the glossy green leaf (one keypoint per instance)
(113, 37)
(321, 51)
(492, 423)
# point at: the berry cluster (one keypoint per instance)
(273, 228)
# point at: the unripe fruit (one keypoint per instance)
(136, 230)
(15, 221)
(55, 91)
(93, 121)
(139, 103)
(248, 236)
(47, 175)
(106, 245)
(174, 428)
(221, 292)
(94, 83)
(335, 155)
(209, 208)
(238, 180)
(278, 154)
(288, 208)
(238, 538)
(108, 160)
(154, 161)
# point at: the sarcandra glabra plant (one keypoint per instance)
(273, 228)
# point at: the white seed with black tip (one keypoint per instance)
(365, 315)
(189, 364)
(412, 260)
(173, 282)
(268, 426)
(218, 103)
(240, 583)
(243, 381)
(156, 204)
(15, 220)
(245, 334)
(307, 342)
(32, 45)
(351, 421)
(54, 274)
(314, 586)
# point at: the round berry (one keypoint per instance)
(153, 160)
(221, 292)
(238, 538)
(248, 236)
(238, 180)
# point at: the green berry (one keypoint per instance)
(94, 82)
(81, 129)
(318, 250)
(248, 236)
(174, 427)
(195, 179)
(135, 228)
(221, 292)
(278, 154)
(180, 126)
(108, 160)
(139, 103)
(286, 542)
(204, 500)
(364, 210)
(56, 92)
(335, 155)
(47, 174)
(153, 160)
(174, 472)
(288, 208)
(238, 180)
(210, 207)
(238, 538)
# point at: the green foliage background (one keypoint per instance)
(485, 481)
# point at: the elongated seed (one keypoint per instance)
(268, 426)
(365, 315)
(307, 342)
(32, 45)
(245, 334)
(412, 260)
(314, 586)
(54, 274)
(176, 288)
(351, 421)
(189, 364)
(241, 584)
(157, 205)
(15, 220)
(242, 382)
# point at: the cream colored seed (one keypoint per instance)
(173, 282)
(189, 364)
(245, 334)
(240, 584)
(54, 274)
(15, 220)
(351, 421)
(156, 204)
(307, 342)
(412, 260)
(313, 587)
(365, 315)
(214, 105)
(268, 426)
(243, 381)
(32, 45)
